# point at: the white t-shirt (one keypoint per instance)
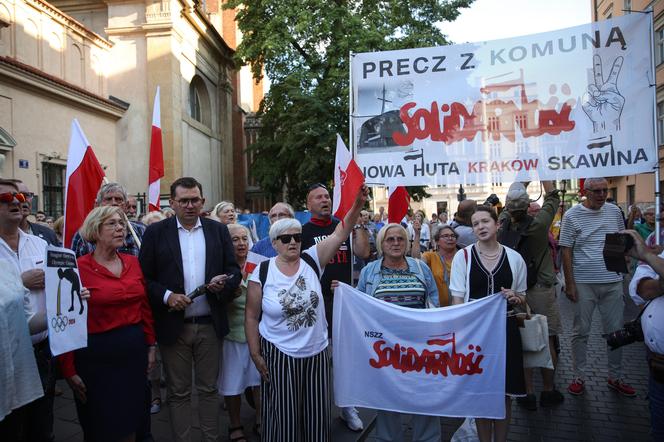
(293, 309)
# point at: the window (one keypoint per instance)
(522, 122)
(627, 6)
(494, 124)
(199, 101)
(659, 46)
(54, 186)
(660, 123)
(630, 195)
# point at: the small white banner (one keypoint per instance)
(441, 362)
(66, 312)
(573, 103)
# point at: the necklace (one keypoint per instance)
(490, 255)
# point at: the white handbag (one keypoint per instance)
(534, 333)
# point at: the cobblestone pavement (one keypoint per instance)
(599, 415)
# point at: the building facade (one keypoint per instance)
(52, 70)
(101, 61)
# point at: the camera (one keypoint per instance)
(616, 245)
(492, 200)
(631, 332)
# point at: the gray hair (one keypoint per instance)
(110, 187)
(279, 227)
(239, 226)
(222, 205)
(152, 217)
(383, 231)
(593, 181)
(288, 206)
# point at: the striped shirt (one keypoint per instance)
(402, 288)
(584, 231)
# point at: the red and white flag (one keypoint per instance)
(156, 170)
(348, 179)
(84, 178)
(253, 260)
(397, 203)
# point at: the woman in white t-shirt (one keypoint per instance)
(286, 331)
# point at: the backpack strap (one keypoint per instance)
(262, 271)
(310, 261)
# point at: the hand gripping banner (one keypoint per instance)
(572, 103)
(441, 362)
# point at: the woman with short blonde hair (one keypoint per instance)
(108, 376)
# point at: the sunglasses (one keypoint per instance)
(286, 237)
(8, 197)
(316, 186)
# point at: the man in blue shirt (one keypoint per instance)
(277, 212)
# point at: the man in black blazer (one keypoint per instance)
(179, 255)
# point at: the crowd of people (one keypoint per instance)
(171, 298)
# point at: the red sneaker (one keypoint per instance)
(622, 388)
(577, 387)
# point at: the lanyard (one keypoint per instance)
(446, 274)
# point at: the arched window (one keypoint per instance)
(199, 101)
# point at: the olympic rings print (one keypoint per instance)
(59, 323)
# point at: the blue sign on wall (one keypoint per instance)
(23, 164)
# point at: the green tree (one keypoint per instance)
(303, 47)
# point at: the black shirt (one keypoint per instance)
(338, 268)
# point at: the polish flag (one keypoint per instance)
(253, 260)
(398, 202)
(348, 179)
(156, 169)
(84, 178)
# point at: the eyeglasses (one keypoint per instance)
(184, 202)
(114, 224)
(8, 197)
(28, 195)
(286, 237)
(598, 191)
(450, 236)
(394, 239)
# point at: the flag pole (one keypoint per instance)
(129, 226)
(658, 197)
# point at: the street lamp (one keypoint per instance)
(461, 196)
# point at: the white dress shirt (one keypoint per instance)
(31, 255)
(192, 247)
(652, 320)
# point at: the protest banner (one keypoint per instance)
(442, 362)
(66, 312)
(578, 102)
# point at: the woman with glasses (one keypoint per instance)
(407, 282)
(286, 331)
(440, 261)
(108, 377)
(483, 269)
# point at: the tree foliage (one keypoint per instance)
(303, 47)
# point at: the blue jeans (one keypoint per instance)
(656, 397)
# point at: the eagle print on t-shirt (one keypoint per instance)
(299, 305)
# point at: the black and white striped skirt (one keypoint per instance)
(296, 403)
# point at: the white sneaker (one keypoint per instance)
(352, 418)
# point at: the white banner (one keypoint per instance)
(442, 362)
(573, 103)
(66, 313)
